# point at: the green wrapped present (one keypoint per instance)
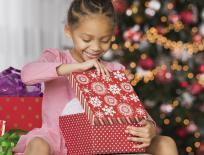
(9, 140)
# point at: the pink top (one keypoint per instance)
(57, 93)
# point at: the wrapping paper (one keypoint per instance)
(11, 84)
(110, 105)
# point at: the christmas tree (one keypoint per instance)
(161, 43)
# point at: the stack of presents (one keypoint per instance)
(105, 107)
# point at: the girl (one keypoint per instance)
(90, 26)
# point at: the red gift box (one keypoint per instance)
(21, 112)
(2, 127)
(110, 106)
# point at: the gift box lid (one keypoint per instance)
(107, 100)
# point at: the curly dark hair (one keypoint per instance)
(80, 8)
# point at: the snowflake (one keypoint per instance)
(119, 76)
(107, 78)
(99, 114)
(114, 89)
(125, 98)
(108, 110)
(140, 111)
(95, 101)
(86, 90)
(94, 75)
(134, 97)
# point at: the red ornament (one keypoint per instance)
(146, 63)
(196, 88)
(181, 132)
(164, 76)
(174, 18)
(184, 84)
(161, 30)
(128, 35)
(120, 6)
(187, 16)
(197, 38)
(201, 68)
(137, 36)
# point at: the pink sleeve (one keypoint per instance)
(43, 69)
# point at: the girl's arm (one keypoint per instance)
(51, 65)
(44, 69)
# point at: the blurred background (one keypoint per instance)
(27, 27)
(160, 43)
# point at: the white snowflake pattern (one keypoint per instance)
(95, 101)
(106, 78)
(134, 97)
(125, 98)
(119, 76)
(99, 114)
(86, 90)
(108, 110)
(93, 75)
(140, 111)
(114, 89)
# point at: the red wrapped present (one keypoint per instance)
(110, 106)
(20, 105)
(2, 127)
(21, 112)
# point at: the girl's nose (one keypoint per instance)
(96, 46)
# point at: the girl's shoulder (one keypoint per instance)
(55, 54)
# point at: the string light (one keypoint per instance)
(197, 144)
(188, 149)
(186, 122)
(166, 121)
(178, 119)
(115, 46)
(153, 37)
(197, 134)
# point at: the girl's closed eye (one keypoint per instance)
(106, 40)
(87, 40)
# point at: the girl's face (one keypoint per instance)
(91, 37)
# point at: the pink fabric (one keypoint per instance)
(57, 93)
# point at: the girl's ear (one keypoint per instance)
(67, 31)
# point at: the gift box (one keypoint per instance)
(21, 112)
(110, 105)
(20, 105)
(9, 140)
(2, 127)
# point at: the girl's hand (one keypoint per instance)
(95, 63)
(142, 134)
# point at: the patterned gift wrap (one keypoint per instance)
(108, 101)
(21, 112)
(2, 127)
(110, 106)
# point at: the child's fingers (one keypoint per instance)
(106, 71)
(102, 69)
(135, 133)
(136, 139)
(140, 146)
(138, 129)
(96, 65)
